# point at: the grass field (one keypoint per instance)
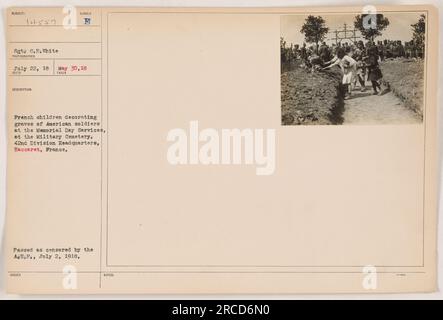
(405, 78)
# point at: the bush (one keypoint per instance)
(311, 97)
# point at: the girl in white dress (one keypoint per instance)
(348, 67)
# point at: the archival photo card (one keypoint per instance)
(181, 150)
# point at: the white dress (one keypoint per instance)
(350, 72)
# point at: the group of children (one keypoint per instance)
(359, 62)
(359, 65)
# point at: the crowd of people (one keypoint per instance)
(358, 61)
(386, 48)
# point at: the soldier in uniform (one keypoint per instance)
(303, 53)
(324, 52)
(381, 50)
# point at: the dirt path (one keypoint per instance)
(365, 108)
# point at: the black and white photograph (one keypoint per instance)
(340, 69)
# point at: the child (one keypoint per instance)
(361, 75)
(361, 68)
(347, 76)
(315, 62)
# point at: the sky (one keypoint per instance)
(399, 27)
